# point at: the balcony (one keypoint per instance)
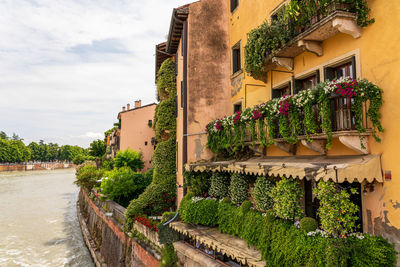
(345, 108)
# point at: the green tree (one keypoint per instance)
(3, 135)
(129, 158)
(97, 148)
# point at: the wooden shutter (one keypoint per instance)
(234, 61)
(233, 5)
(318, 76)
(353, 65)
(182, 95)
(329, 73)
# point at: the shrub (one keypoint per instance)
(107, 164)
(123, 185)
(198, 182)
(336, 211)
(200, 211)
(308, 224)
(87, 176)
(261, 193)
(239, 188)
(246, 206)
(163, 160)
(219, 185)
(129, 158)
(286, 195)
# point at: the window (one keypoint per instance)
(279, 92)
(145, 143)
(306, 83)
(150, 123)
(237, 107)
(234, 4)
(182, 95)
(236, 64)
(343, 70)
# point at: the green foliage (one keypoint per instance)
(267, 38)
(13, 151)
(123, 185)
(166, 234)
(129, 158)
(239, 188)
(368, 250)
(168, 256)
(165, 120)
(107, 164)
(308, 224)
(87, 176)
(219, 185)
(163, 160)
(246, 206)
(261, 193)
(286, 195)
(79, 159)
(160, 195)
(283, 244)
(166, 80)
(198, 182)
(199, 210)
(97, 148)
(337, 213)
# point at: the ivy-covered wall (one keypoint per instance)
(160, 195)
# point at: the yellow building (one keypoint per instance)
(327, 47)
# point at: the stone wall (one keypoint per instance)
(35, 166)
(104, 236)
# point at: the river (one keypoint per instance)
(38, 221)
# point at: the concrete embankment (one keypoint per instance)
(104, 236)
(35, 166)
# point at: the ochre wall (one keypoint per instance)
(208, 77)
(378, 60)
(135, 131)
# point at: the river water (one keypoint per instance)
(38, 221)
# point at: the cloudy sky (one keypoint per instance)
(68, 66)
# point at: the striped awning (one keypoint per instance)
(336, 168)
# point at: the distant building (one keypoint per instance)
(113, 143)
(136, 131)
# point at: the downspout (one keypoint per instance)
(185, 98)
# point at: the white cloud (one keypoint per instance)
(67, 67)
(92, 135)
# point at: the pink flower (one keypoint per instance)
(256, 114)
(236, 118)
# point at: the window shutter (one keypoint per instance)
(296, 86)
(290, 87)
(182, 95)
(353, 65)
(275, 94)
(234, 61)
(233, 2)
(317, 75)
(329, 74)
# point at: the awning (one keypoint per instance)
(336, 168)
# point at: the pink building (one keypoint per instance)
(136, 130)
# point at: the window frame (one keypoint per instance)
(236, 54)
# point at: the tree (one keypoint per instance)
(3, 135)
(15, 137)
(129, 158)
(97, 148)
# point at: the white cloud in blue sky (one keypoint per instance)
(68, 66)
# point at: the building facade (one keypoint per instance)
(136, 131)
(331, 47)
(198, 40)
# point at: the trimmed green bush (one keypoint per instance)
(219, 185)
(87, 176)
(198, 182)
(163, 161)
(165, 124)
(200, 211)
(286, 195)
(308, 224)
(166, 234)
(262, 193)
(246, 206)
(239, 188)
(123, 185)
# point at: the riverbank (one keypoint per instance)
(35, 166)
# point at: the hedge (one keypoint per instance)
(198, 210)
